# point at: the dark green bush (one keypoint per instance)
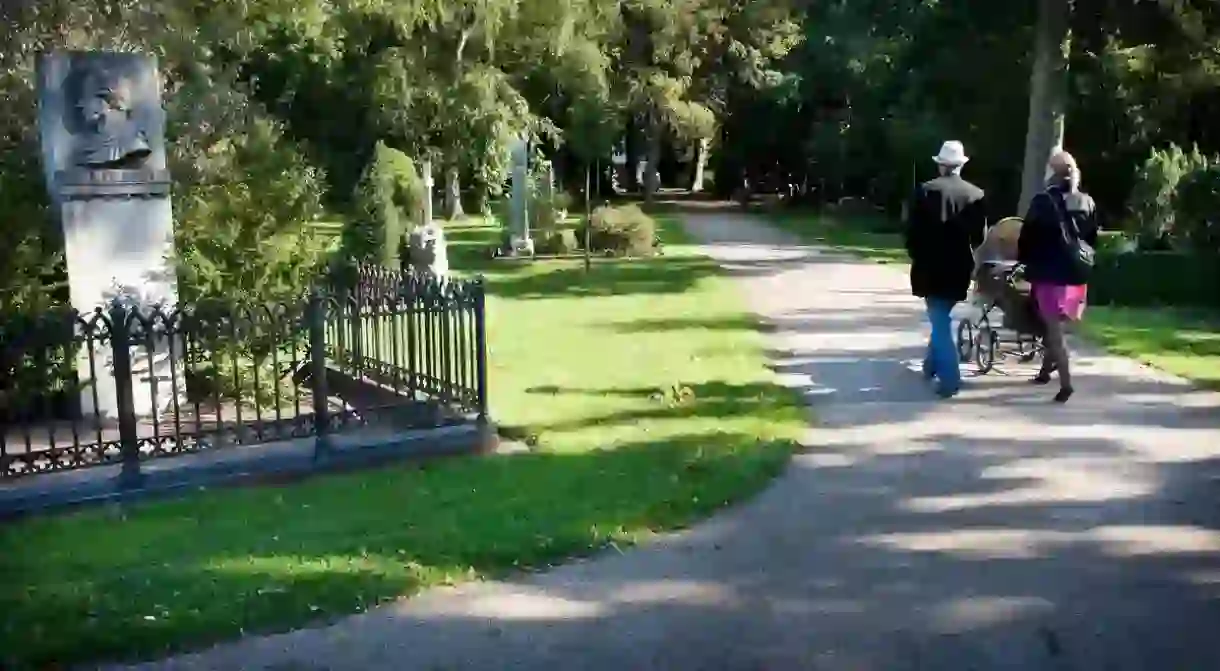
(1197, 210)
(1149, 279)
(558, 241)
(1152, 203)
(389, 201)
(623, 231)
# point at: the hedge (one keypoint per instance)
(1150, 279)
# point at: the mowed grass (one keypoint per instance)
(643, 382)
(1179, 341)
(1185, 342)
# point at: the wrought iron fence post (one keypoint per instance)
(129, 445)
(315, 318)
(480, 339)
(357, 321)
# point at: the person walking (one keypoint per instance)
(1056, 248)
(946, 220)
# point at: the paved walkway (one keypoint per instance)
(995, 531)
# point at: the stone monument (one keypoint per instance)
(102, 130)
(429, 252)
(519, 239)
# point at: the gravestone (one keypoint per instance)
(519, 239)
(429, 251)
(103, 149)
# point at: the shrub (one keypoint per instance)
(1151, 203)
(389, 199)
(624, 230)
(244, 241)
(1197, 209)
(559, 241)
(1149, 279)
(547, 211)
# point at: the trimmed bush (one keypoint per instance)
(621, 231)
(1198, 209)
(1151, 279)
(389, 199)
(558, 241)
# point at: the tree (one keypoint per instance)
(1047, 96)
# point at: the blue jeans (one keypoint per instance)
(940, 361)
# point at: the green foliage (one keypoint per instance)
(557, 241)
(547, 207)
(246, 240)
(1150, 279)
(245, 245)
(1198, 210)
(621, 231)
(1153, 201)
(390, 201)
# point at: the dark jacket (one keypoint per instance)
(945, 222)
(1044, 246)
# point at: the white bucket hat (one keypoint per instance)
(952, 154)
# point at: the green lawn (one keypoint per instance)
(646, 389)
(1182, 342)
(1179, 341)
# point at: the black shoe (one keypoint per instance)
(1064, 394)
(1041, 378)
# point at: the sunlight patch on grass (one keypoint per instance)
(1179, 341)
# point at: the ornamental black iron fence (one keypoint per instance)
(125, 384)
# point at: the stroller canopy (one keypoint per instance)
(1000, 242)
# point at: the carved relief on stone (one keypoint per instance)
(113, 138)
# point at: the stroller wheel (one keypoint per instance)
(965, 341)
(986, 347)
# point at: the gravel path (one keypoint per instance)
(993, 531)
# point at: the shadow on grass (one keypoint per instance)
(1182, 341)
(220, 565)
(1180, 331)
(606, 278)
(702, 400)
(742, 323)
(936, 557)
(469, 241)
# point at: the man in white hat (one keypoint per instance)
(945, 222)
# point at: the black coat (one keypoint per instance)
(945, 222)
(1044, 247)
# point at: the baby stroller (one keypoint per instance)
(999, 283)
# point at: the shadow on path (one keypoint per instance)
(996, 531)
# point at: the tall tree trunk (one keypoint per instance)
(652, 176)
(1047, 96)
(453, 194)
(700, 165)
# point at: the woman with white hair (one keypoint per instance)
(1056, 248)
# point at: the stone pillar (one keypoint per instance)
(102, 131)
(519, 224)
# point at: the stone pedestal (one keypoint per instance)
(102, 129)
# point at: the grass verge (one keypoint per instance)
(1179, 341)
(643, 424)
